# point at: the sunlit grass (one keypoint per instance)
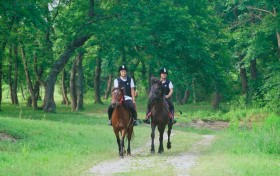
(244, 151)
(67, 142)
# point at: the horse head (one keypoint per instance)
(117, 97)
(156, 88)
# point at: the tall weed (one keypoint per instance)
(256, 136)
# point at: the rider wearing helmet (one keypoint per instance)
(127, 83)
(168, 91)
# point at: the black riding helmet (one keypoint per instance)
(122, 67)
(163, 70)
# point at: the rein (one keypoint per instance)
(118, 102)
(164, 101)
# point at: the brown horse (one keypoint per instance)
(159, 115)
(121, 121)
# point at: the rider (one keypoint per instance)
(168, 91)
(127, 83)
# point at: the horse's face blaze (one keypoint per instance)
(117, 97)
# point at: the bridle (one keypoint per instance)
(161, 98)
(119, 93)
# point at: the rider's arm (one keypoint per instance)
(171, 90)
(132, 90)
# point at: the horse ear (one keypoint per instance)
(154, 80)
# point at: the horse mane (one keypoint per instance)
(154, 80)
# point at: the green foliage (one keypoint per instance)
(201, 42)
(256, 137)
(270, 90)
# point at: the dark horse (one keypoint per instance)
(159, 115)
(121, 121)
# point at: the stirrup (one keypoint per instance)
(147, 121)
(110, 123)
(135, 122)
(172, 121)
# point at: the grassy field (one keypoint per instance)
(69, 143)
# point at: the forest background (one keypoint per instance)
(215, 51)
(58, 60)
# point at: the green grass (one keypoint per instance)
(66, 142)
(51, 146)
(58, 143)
(220, 164)
(69, 143)
(244, 151)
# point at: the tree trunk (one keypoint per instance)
(13, 74)
(10, 74)
(15, 83)
(243, 76)
(22, 92)
(194, 90)
(65, 99)
(97, 73)
(2, 50)
(186, 96)
(28, 80)
(109, 86)
(91, 8)
(36, 94)
(39, 73)
(179, 96)
(80, 82)
(216, 100)
(73, 94)
(77, 83)
(254, 70)
(1, 73)
(49, 103)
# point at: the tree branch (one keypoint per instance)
(263, 10)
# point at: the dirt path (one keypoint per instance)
(142, 160)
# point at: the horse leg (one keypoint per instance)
(168, 133)
(118, 140)
(161, 132)
(153, 138)
(129, 135)
(122, 143)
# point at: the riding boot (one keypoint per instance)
(147, 118)
(148, 112)
(110, 111)
(135, 120)
(171, 119)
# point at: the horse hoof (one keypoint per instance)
(169, 145)
(152, 152)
